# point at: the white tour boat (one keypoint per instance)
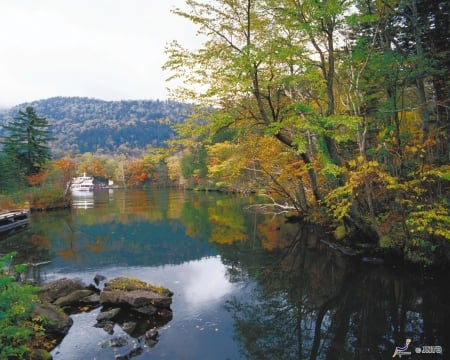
(82, 184)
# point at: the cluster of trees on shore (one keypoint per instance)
(339, 108)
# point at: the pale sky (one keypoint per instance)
(104, 49)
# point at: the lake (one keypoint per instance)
(246, 285)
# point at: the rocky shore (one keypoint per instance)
(139, 308)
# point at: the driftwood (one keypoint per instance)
(342, 249)
(349, 252)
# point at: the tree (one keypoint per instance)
(28, 140)
(92, 165)
(350, 87)
(11, 175)
(67, 166)
(136, 172)
(155, 156)
(194, 164)
(258, 68)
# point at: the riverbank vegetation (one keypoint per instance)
(21, 329)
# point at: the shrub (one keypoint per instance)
(17, 327)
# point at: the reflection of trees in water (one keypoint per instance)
(32, 250)
(310, 303)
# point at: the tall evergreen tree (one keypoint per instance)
(27, 141)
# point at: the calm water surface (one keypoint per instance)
(246, 286)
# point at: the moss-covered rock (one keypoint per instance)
(125, 283)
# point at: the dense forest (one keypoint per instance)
(83, 125)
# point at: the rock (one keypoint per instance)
(93, 288)
(134, 298)
(129, 326)
(108, 315)
(138, 307)
(151, 334)
(131, 354)
(98, 279)
(108, 326)
(135, 293)
(150, 343)
(115, 342)
(147, 310)
(72, 298)
(165, 314)
(59, 323)
(91, 299)
(59, 288)
(130, 284)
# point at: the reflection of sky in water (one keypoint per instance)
(204, 281)
(200, 327)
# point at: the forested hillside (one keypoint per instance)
(89, 125)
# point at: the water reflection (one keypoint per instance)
(200, 325)
(83, 200)
(257, 287)
(209, 271)
(311, 303)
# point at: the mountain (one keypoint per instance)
(82, 124)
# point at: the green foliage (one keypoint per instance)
(46, 196)
(426, 214)
(17, 303)
(27, 141)
(341, 199)
(425, 221)
(226, 166)
(274, 128)
(187, 165)
(386, 241)
(331, 170)
(339, 232)
(342, 128)
(12, 177)
(442, 172)
(194, 164)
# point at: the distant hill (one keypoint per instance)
(90, 125)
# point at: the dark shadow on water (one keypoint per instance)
(313, 303)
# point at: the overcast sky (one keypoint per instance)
(105, 49)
